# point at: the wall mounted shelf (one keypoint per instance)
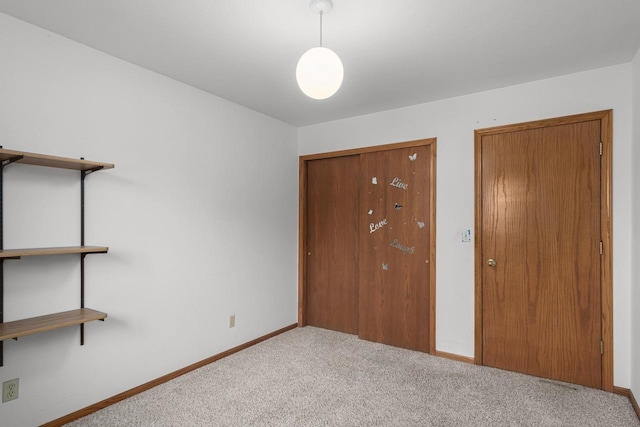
(19, 253)
(51, 161)
(34, 325)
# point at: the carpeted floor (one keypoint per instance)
(314, 377)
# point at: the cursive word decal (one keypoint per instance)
(397, 182)
(405, 249)
(377, 226)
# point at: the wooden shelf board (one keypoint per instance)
(34, 325)
(52, 161)
(17, 253)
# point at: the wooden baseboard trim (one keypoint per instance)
(628, 393)
(634, 403)
(622, 391)
(163, 379)
(457, 357)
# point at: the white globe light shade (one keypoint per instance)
(319, 73)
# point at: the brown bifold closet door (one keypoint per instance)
(394, 247)
(332, 242)
(541, 251)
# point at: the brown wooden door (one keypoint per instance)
(394, 246)
(332, 242)
(540, 222)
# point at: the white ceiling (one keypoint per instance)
(395, 53)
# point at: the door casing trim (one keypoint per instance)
(606, 229)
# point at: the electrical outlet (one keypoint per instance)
(10, 390)
(232, 321)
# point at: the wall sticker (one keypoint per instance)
(377, 226)
(403, 248)
(413, 156)
(420, 224)
(397, 182)
(374, 180)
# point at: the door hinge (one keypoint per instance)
(601, 148)
(601, 347)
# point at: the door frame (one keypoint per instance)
(302, 225)
(606, 216)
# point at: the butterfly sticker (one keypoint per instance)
(413, 156)
(420, 224)
(385, 267)
(370, 212)
(374, 180)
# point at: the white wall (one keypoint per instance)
(200, 214)
(453, 121)
(635, 250)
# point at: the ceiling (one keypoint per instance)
(395, 53)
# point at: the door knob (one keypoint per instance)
(491, 262)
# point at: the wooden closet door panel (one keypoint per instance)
(332, 243)
(394, 247)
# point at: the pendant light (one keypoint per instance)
(319, 72)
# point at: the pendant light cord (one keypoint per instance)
(320, 28)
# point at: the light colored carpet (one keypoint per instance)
(314, 377)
